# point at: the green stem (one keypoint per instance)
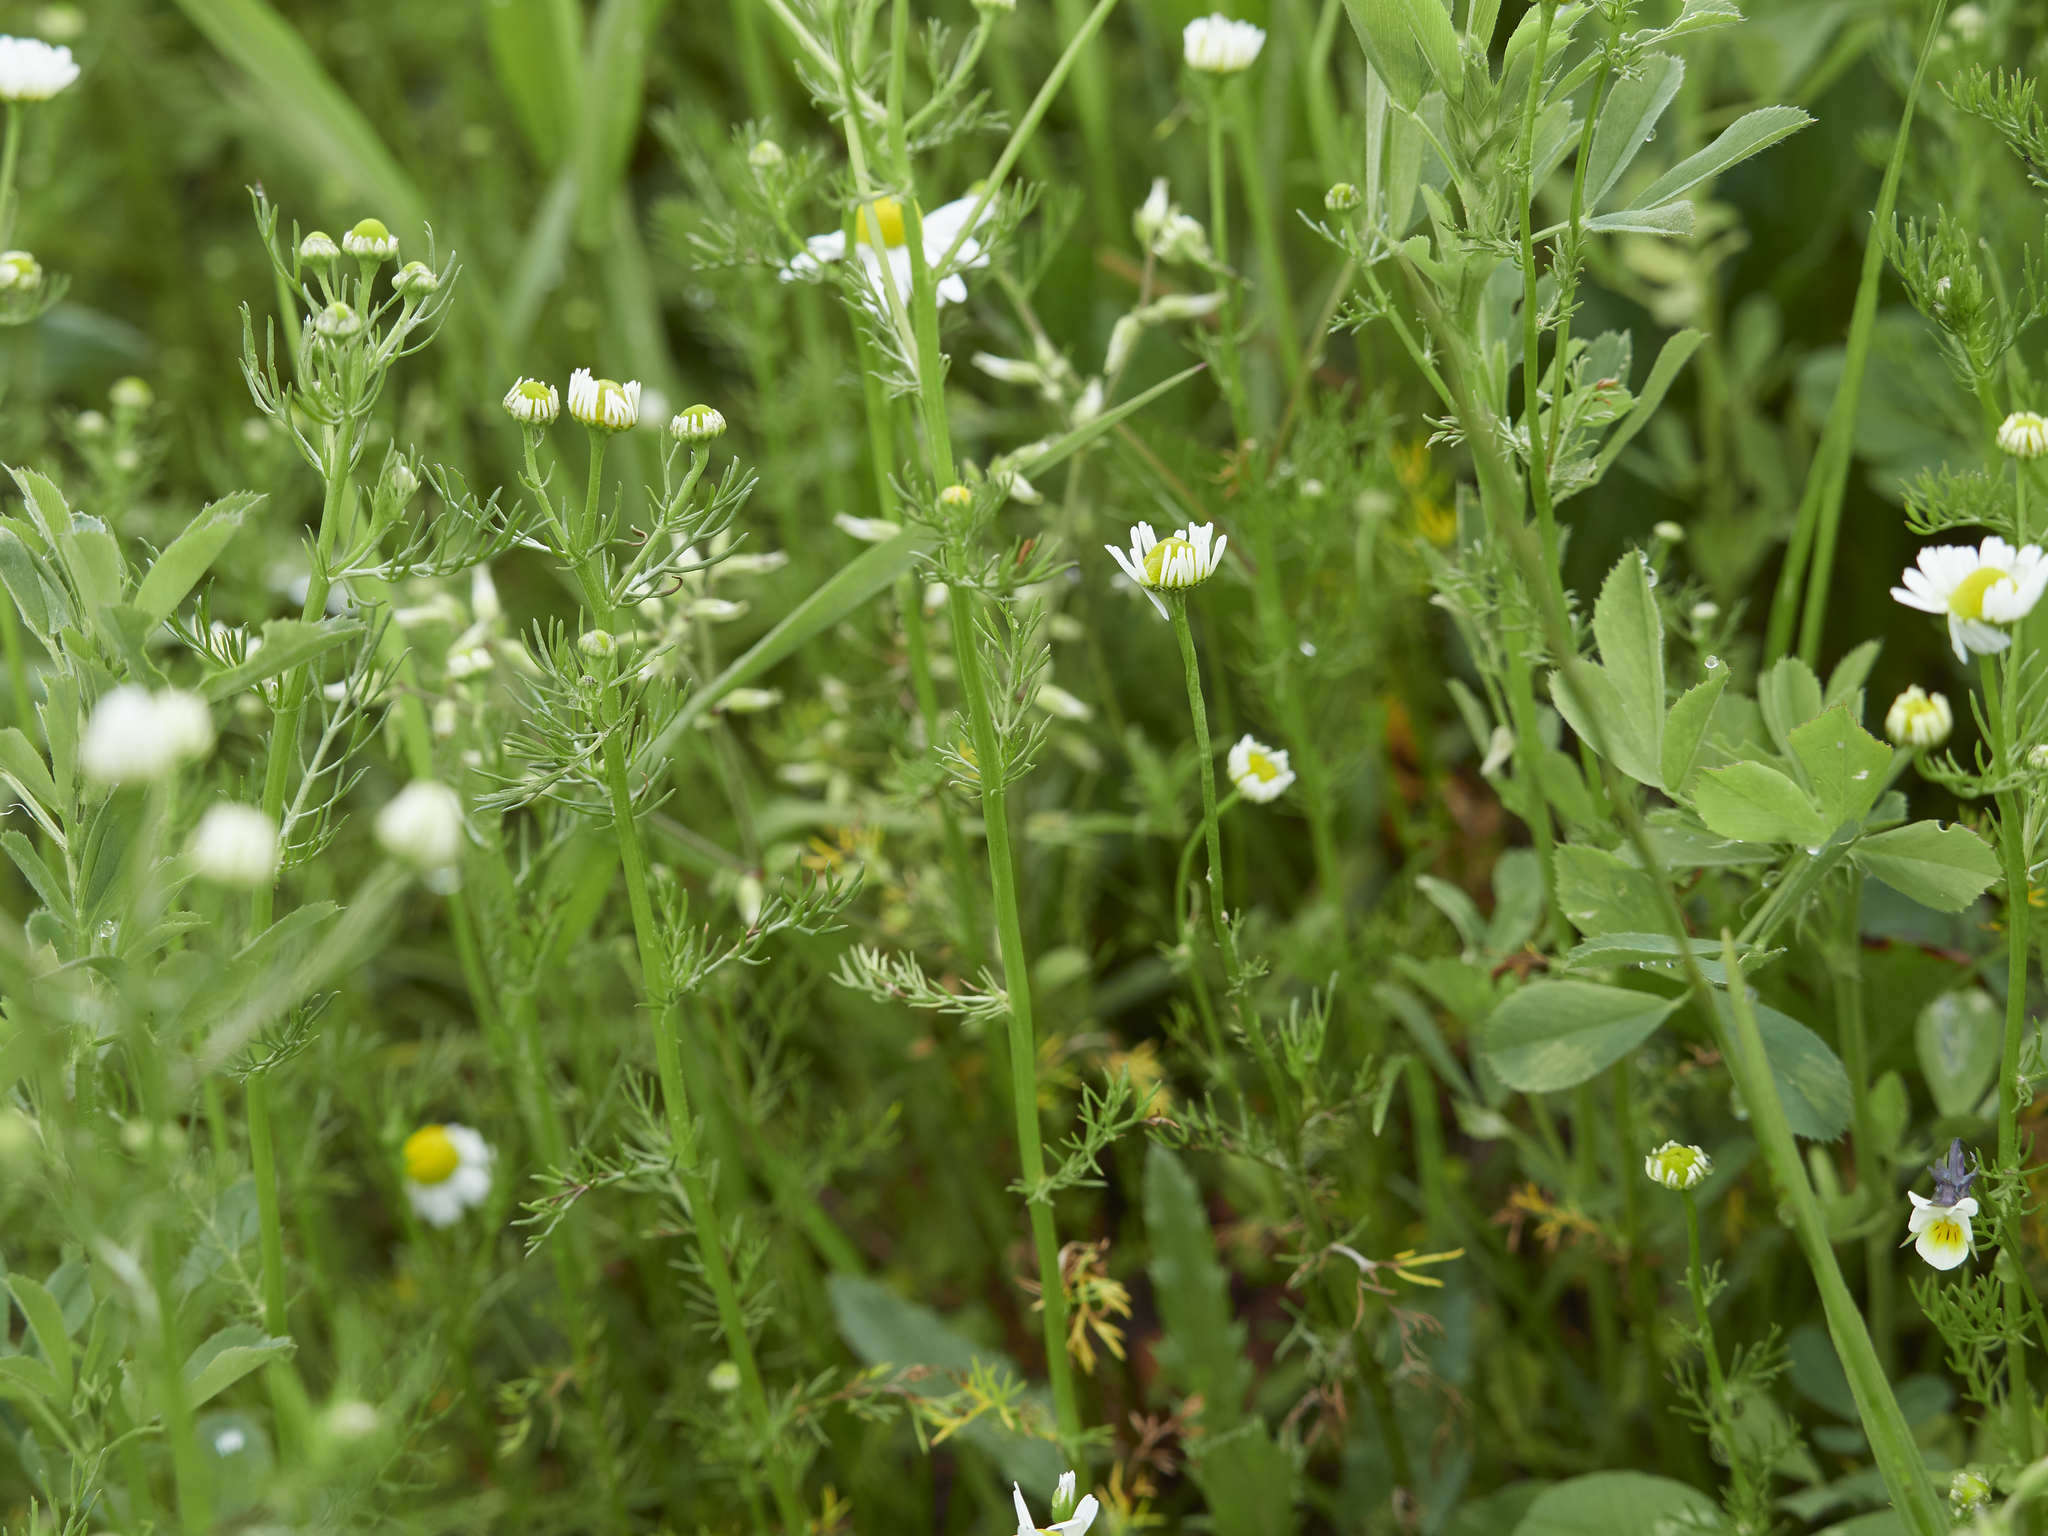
(1696, 1287)
(21, 705)
(1219, 241)
(1852, 1030)
(1532, 330)
(1260, 193)
(10, 160)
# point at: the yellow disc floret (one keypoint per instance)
(884, 217)
(1967, 601)
(430, 1156)
(1166, 561)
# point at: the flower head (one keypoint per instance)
(422, 825)
(1918, 718)
(1342, 197)
(416, 277)
(1216, 45)
(235, 845)
(338, 321)
(1185, 558)
(1977, 589)
(447, 1171)
(697, 424)
(20, 272)
(883, 223)
(1260, 772)
(2024, 435)
(1940, 1228)
(532, 402)
(33, 70)
(603, 404)
(318, 249)
(1677, 1166)
(1072, 1519)
(135, 736)
(1968, 1492)
(370, 240)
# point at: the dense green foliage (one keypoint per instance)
(728, 968)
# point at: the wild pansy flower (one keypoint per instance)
(1185, 558)
(1939, 1229)
(1977, 590)
(1070, 1518)
(33, 70)
(2024, 434)
(1260, 772)
(1919, 719)
(1677, 1166)
(447, 1171)
(883, 222)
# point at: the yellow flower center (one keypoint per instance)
(1945, 1232)
(1967, 601)
(884, 217)
(1160, 553)
(1261, 767)
(430, 1157)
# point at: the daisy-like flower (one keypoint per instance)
(1260, 772)
(447, 1171)
(135, 736)
(1071, 1518)
(1216, 45)
(33, 70)
(20, 272)
(1977, 590)
(318, 249)
(338, 321)
(603, 404)
(533, 403)
(416, 277)
(422, 825)
(2024, 435)
(884, 218)
(370, 240)
(235, 845)
(697, 425)
(1677, 1166)
(1185, 558)
(1918, 718)
(1939, 1229)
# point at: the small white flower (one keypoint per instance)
(2024, 435)
(370, 241)
(1217, 45)
(1977, 589)
(1009, 370)
(1705, 612)
(318, 249)
(956, 498)
(1677, 1166)
(884, 218)
(723, 1377)
(131, 394)
(532, 402)
(235, 845)
(603, 404)
(1342, 197)
(698, 424)
(338, 321)
(1184, 306)
(1184, 239)
(1185, 558)
(767, 156)
(1056, 701)
(32, 70)
(135, 736)
(1669, 532)
(1260, 772)
(762, 564)
(1123, 339)
(351, 1418)
(416, 277)
(231, 1440)
(869, 530)
(1089, 406)
(1918, 718)
(1075, 1524)
(422, 825)
(20, 272)
(716, 610)
(447, 1172)
(750, 701)
(1152, 214)
(1968, 1492)
(1941, 1233)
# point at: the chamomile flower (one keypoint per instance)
(370, 240)
(1260, 772)
(884, 220)
(422, 825)
(2024, 435)
(1919, 719)
(603, 404)
(1977, 590)
(697, 425)
(1071, 1518)
(416, 277)
(533, 403)
(136, 737)
(318, 249)
(447, 1171)
(1677, 1166)
(33, 70)
(235, 845)
(1217, 45)
(20, 271)
(1939, 1228)
(1185, 558)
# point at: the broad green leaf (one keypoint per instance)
(1657, 952)
(1630, 632)
(93, 559)
(305, 111)
(1550, 1035)
(1618, 1504)
(536, 47)
(1594, 706)
(178, 569)
(287, 643)
(1845, 683)
(21, 763)
(1754, 803)
(1747, 135)
(1699, 15)
(1517, 901)
(49, 890)
(26, 1376)
(1382, 30)
(226, 1358)
(884, 1329)
(1945, 868)
(1674, 219)
(1958, 1037)
(1812, 1083)
(1628, 118)
(1788, 695)
(1671, 358)
(1686, 727)
(21, 575)
(1844, 763)
(46, 1319)
(1461, 909)
(1600, 893)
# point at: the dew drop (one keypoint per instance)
(1711, 662)
(1308, 647)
